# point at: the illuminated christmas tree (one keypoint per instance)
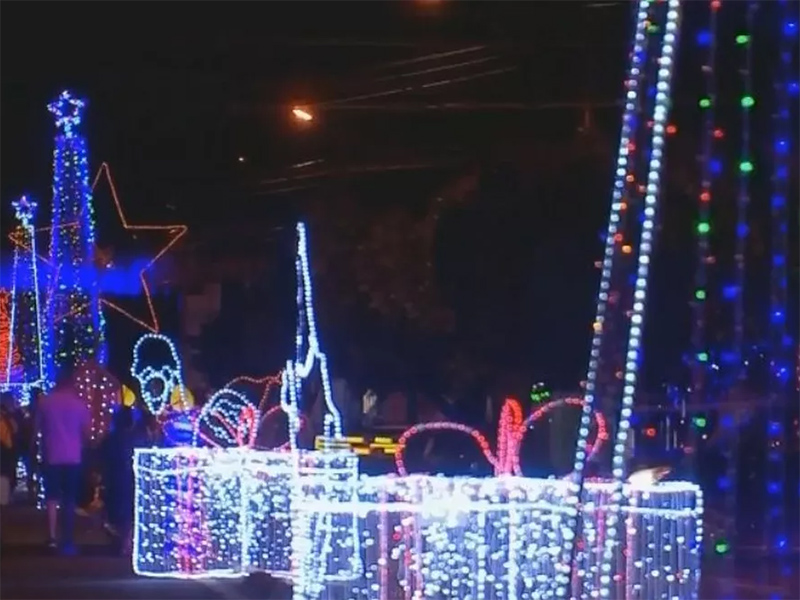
(26, 338)
(74, 314)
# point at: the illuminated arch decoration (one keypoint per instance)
(511, 431)
(156, 384)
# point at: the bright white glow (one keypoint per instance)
(204, 512)
(302, 114)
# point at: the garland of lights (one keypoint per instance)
(708, 170)
(704, 376)
(780, 342)
(511, 431)
(745, 169)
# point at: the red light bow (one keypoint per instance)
(511, 431)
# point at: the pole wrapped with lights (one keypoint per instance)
(74, 314)
(780, 343)
(655, 22)
(610, 580)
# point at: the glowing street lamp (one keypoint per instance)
(302, 114)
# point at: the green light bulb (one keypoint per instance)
(746, 166)
(721, 547)
(703, 227)
(748, 101)
(700, 294)
(700, 422)
(742, 39)
(702, 356)
(705, 102)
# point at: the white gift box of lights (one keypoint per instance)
(211, 512)
(205, 512)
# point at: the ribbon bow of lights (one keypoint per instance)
(229, 420)
(158, 383)
(511, 431)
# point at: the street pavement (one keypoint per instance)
(29, 571)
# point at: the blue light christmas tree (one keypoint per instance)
(74, 315)
(25, 325)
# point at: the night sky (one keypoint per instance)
(190, 105)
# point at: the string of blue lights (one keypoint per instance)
(780, 343)
(74, 314)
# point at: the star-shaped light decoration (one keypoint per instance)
(24, 210)
(67, 110)
(175, 233)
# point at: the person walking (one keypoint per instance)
(63, 420)
(117, 455)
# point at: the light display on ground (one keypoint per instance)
(305, 515)
(418, 536)
(502, 537)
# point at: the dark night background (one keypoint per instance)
(454, 221)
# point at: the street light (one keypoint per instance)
(302, 114)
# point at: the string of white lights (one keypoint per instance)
(633, 356)
(633, 89)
